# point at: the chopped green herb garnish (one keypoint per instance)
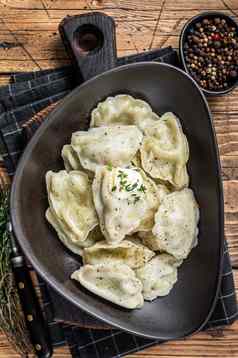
(142, 188)
(131, 187)
(123, 182)
(109, 167)
(114, 188)
(122, 175)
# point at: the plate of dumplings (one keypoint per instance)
(128, 223)
(123, 202)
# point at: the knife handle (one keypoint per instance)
(32, 311)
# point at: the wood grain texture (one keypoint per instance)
(29, 40)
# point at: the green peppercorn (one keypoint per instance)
(217, 44)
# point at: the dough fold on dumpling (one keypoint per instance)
(125, 200)
(162, 191)
(165, 151)
(70, 158)
(158, 276)
(115, 146)
(127, 252)
(71, 212)
(175, 230)
(123, 109)
(149, 240)
(114, 282)
(76, 247)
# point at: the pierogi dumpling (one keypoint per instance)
(125, 200)
(165, 151)
(70, 158)
(71, 205)
(158, 276)
(116, 145)
(175, 230)
(127, 252)
(123, 109)
(114, 282)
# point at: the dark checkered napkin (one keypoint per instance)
(17, 77)
(89, 343)
(11, 144)
(225, 311)
(36, 93)
(23, 85)
(26, 95)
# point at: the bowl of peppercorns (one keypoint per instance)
(209, 52)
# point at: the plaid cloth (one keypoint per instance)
(27, 94)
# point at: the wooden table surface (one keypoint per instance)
(29, 41)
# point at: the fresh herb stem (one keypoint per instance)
(11, 318)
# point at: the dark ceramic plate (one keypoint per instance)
(188, 306)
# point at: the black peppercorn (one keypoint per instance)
(195, 39)
(211, 53)
(205, 22)
(217, 21)
(233, 74)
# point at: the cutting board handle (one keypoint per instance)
(90, 41)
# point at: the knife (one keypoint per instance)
(35, 322)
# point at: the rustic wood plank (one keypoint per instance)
(28, 65)
(56, 15)
(231, 218)
(83, 5)
(47, 44)
(43, 43)
(129, 4)
(12, 15)
(4, 79)
(37, 31)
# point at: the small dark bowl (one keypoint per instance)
(189, 24)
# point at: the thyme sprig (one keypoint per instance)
(11, 317)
